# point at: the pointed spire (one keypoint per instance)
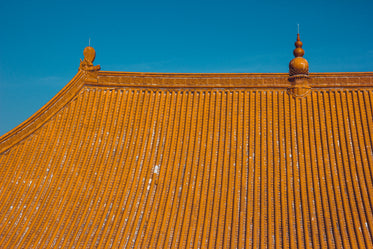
(298, 66)
(298, 72)
(298, 51)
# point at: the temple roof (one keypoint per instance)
(192, 160)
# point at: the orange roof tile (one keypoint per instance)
(192, 160)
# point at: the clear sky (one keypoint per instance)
(42, 41)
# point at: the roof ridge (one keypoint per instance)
(175, 80)
(44, 113)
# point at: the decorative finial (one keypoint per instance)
(298, 65)
(298, 71)
(89, 41)
(89, 56)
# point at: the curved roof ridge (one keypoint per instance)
(173, 80)
(42, 115)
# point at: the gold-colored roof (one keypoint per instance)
(192, 160)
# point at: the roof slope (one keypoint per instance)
(192, 160)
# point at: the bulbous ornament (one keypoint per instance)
(298, 72)
(298, 66)
(87, 63)
(89, 54)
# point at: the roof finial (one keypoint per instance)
(298, 51)
(89, 41)
(298, 65)
(298, 71)
(89, 56)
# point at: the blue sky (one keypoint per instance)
(42, 41)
